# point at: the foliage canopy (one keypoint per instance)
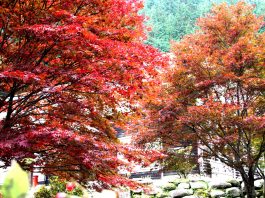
(214, 95)
(69, 72)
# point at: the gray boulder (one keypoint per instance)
(180, 193)
(243, 187)
(258, 194)
(259, 184)
(215, 193)
(202, 193)
(233, 192)
(234, 182)
(169, 186)
(137, 196)
(198, 185)
(178, 181)
(184, 185)
(162, 195)
(220, 185)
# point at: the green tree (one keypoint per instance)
(172, 19)
(180, 160)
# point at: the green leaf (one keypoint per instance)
(16, 183)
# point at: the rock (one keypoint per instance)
(243, 187)
(234, 182)
(169, 186)
(191, 196)
(138, 191)
(217, 193)
(184, 185)
(154, 190)
(180, 193)
(202, 193)
(259, 184)
(220, 185)
(162, 195)
(198, 185)
(233, 192)
(178, 181)
(174, 180)
(258, 193)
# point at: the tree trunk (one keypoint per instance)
(264, 187)
(250, 189)
(263, 175)
(249, 184)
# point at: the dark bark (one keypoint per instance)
(248, 180)
(10, 106)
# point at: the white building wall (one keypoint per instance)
(218, 169)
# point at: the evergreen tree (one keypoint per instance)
(172, 19)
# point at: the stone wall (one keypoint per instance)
(184, 188)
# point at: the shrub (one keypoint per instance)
(56, 185)
(43, 193)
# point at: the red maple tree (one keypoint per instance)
(69, 71)
(214, 96)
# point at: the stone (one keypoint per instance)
(184, 185)
(259, 184)
(233, 192)
(162, 195)
(138, 191)
(180, 193)
(191, 196)
(198, 185)
(202, 193)
(234, 182)
(259, 192)
(169, 186)
(220, 185)
(178, 181)
(215, 193)
(137, 196)
(243, 187)
(154, 191)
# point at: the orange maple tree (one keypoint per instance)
(69, 71)
(214, 96)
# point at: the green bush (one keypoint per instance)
(43, 193)
(77, 191)
(56, 185)
(16, 182)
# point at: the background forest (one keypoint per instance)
(171, 20)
